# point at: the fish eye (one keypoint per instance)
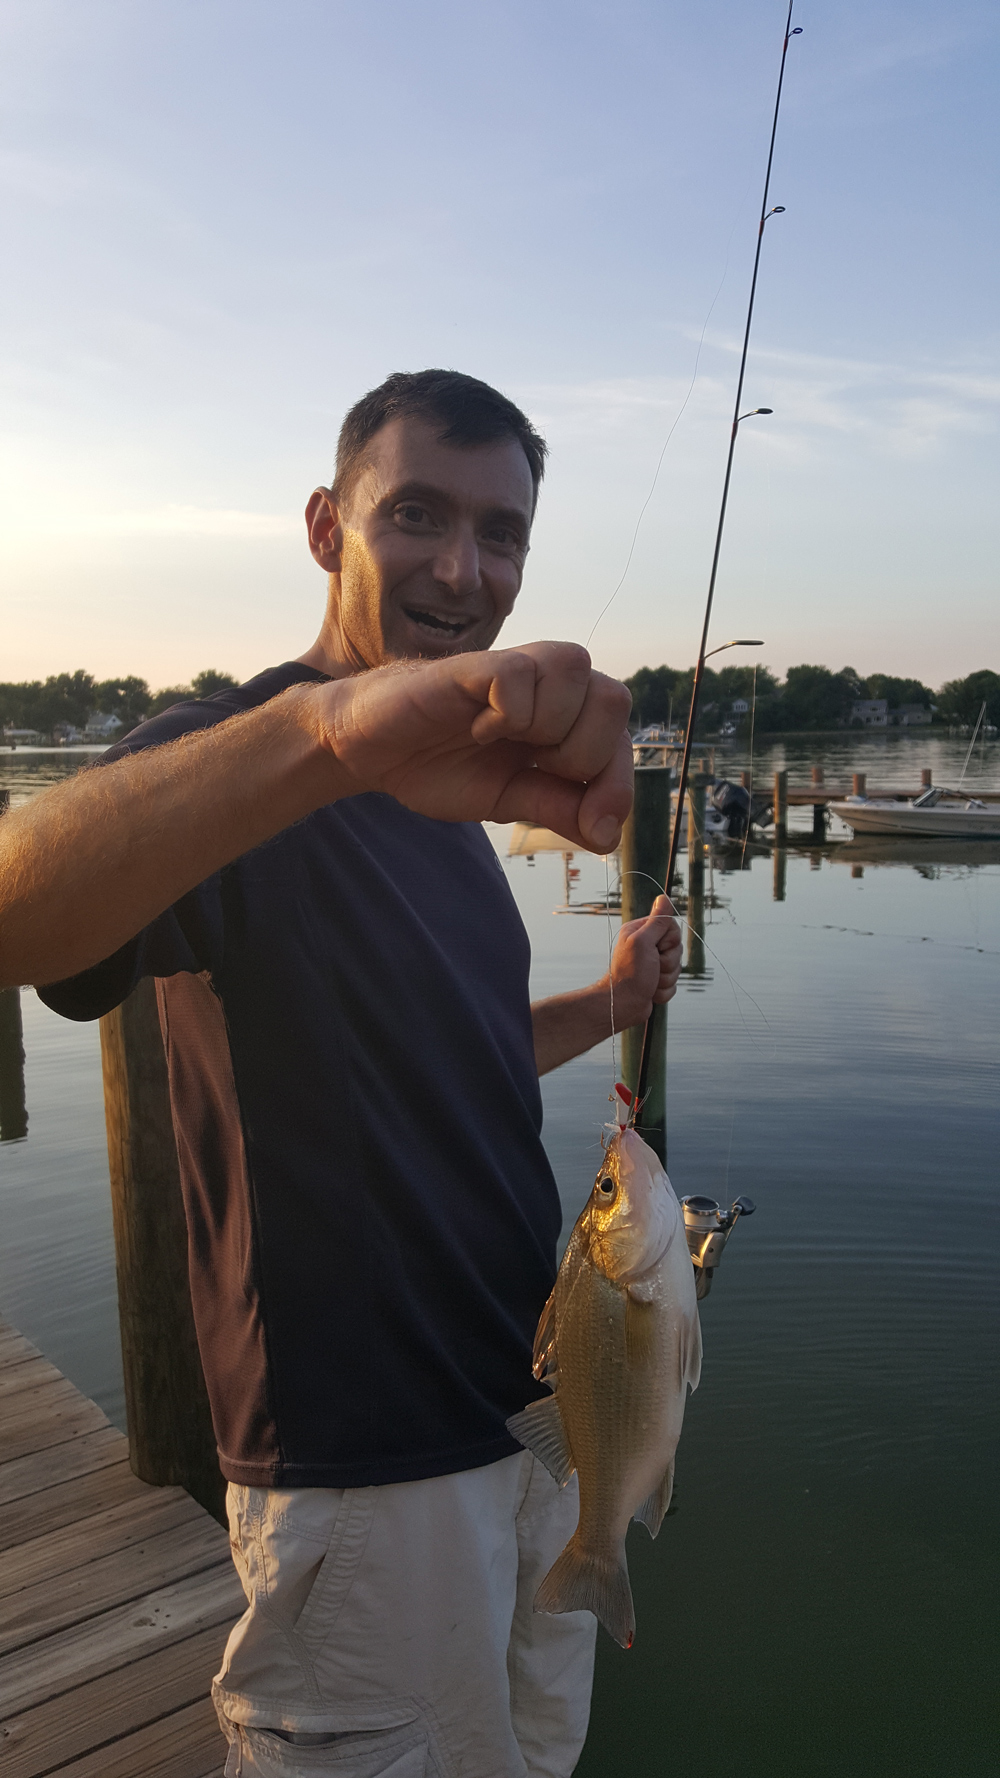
(606, 1186)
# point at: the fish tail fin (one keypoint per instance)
(581, 1580)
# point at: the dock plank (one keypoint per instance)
(30, 1371)
(115, 1704)
(51, 1414)
(14, 1347)
(44, 1510)
(148, 1513)
(115, 1597)
(65, 1599)
(24, 1476)
(186, 1744)
(30, 1675)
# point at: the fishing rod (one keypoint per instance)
(765, 214)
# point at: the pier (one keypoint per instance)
(116, 1597)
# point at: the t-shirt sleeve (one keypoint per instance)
(186, 938)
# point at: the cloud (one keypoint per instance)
(892, 409)
(188, 521)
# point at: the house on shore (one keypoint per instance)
(870, 712)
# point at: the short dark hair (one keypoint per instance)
(467, 411)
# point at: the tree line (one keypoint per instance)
(808, 698)
(72, 698)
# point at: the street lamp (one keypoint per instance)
(750, 415)
(741, 642)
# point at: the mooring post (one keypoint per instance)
(780, 808)
(171, 1442)
(858, 783)
(696, 827)
(780, 872)
(926, 778)
(13, 1104)
(645, 845)
(695, 926)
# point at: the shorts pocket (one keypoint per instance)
(368, 1753)
(340, 1564)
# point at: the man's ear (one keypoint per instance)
(326, 533)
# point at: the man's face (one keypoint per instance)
(427, 555)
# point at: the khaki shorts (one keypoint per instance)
(390, 1631)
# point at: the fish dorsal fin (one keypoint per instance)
(539, 1428)
(653, 1510)
(545, 1362)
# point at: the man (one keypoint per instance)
(342, 977)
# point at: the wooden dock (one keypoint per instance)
(115, 1598)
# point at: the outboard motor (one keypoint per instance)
(733, 801)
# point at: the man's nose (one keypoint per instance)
(456, 563)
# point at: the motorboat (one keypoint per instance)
(937, 814)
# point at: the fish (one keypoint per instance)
(619, 1345)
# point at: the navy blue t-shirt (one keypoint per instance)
(372, 1218)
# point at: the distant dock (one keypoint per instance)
(115, 1597)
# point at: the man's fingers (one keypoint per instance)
(512, 694)
(533, 694)
(607, 800)
(583, 749)
(544, 801)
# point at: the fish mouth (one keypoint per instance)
(443, 629)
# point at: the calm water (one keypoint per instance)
(823, 1601)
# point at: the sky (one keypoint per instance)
(223, 223)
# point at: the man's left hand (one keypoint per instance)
(646, 964)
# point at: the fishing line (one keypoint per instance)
(972, 743)
(765, 214)
(611, 979)
(733, 983)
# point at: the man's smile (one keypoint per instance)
(434, 624)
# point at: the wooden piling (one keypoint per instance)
(780, 808)
(819, 821)
(780, 867)
(645, 846)
(13, 1104)
(171, 1441)
(817, 776)
(694, 963)
(858, 783)
(696, 826)
(926, 778)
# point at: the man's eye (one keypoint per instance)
(503, 536)
(414, 515)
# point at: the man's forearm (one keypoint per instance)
(87, 865)
(568, 1024)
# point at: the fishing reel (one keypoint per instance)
(708, 1229)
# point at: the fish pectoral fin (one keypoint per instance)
(539, 1428)
(581, 1580)
(545, 1363)
(640, 1330)
(653, 1510)
(689, 1353)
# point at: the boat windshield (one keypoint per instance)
(927, 801)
